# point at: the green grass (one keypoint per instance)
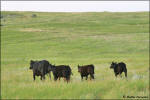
(72, 39)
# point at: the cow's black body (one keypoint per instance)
(86, 70)
(119, 68)
(61, 71)
(40, 68)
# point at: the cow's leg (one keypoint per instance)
(68, 79)
(59, 78)
(125, 74)
(86, 77)
(55, 78)
(116, 75)
(44, 77)
(34, 77)
(81, 77)
(64, 79)
(92, 76)
(41, 77)
(120, 75)
(43, 74)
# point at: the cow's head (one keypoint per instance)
(113, 65)
(31, 64)
(79, 68)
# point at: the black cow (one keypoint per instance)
(61, 71)
(86, 70)
(40, 68)
(119, 68)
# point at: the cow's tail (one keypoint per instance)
(93, 69)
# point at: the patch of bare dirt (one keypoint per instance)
(32, 30)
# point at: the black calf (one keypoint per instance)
(86, 70)
(61, 71)
(119, 68)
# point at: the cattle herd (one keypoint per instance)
(43, 67)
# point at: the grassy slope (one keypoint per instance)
(75, 38)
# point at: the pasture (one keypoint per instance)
(72, 39)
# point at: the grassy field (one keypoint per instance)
(72, 39)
